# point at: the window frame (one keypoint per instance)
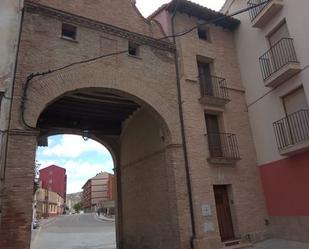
(206, 30)
(73, 30)
(133, 46)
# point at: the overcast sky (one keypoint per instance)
(84, 159)
(146, 7)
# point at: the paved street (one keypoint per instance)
(83, 231)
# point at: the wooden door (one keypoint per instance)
(213, 134)
(224, 213)
(205, 79)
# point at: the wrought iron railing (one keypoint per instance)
(213, 86)
(279, 55)
(223, 145)
(257, 7)
(292, 129)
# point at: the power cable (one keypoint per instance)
(274, 88)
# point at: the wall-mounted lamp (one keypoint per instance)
(85, 135)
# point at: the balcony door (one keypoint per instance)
(279, 46)
(281, 32)
(205, 79)
(213, 134)
(296, 109)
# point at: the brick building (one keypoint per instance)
(97, 191)
(171, 111)
(48, 204)
(274, 69)
(10, 22)
(54, 178)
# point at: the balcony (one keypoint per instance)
(223, 148)
(279, 63)
(292, 133)
(214, 91)
(264, 11)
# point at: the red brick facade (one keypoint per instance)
(54, 178)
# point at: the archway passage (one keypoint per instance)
(88, 110)
(146, 209)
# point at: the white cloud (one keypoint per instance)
(68, 151)
(72, 146)
(147, 7)
(79, 172)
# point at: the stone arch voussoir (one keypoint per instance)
(45, 90)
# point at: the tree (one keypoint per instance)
(77, 207)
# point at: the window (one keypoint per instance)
(203, 33)
(213, 133)
(204, 71)
(133, 49)
(280, 32)
(295, 101)
(69, 31)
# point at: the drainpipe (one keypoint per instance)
(183, 133)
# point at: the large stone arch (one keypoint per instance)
(147, 179)
(43, 91)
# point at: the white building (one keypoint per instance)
(272, 42)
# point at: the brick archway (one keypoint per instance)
(43, 91)
(146, 153)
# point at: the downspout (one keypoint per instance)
(183, 133)
(12, 90)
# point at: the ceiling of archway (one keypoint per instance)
(88, 110)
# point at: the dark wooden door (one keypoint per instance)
(213, 134)
(205, 79)
(224, 213)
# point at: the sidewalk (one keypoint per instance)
(102, 217)
(44, 222)
(281, 244)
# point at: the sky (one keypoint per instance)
(147, 7)
(84, 159)
(81, 159)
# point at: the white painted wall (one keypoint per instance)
(10, 17)
(251, 43)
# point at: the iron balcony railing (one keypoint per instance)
(223, 145)
(279, 55)
(213, 86)
(292, 129)
(257, 7)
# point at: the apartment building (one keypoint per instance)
(47, 204)
(54, 178)
(272, 44)
(99, 193)
(228, 197)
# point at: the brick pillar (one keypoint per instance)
(15, 227)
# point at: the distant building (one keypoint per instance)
(48, 203)
(99, 193)
(54, 178)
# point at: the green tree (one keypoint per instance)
(77, 207)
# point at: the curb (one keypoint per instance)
(103, 218)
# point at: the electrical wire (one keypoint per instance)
(274, 88)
